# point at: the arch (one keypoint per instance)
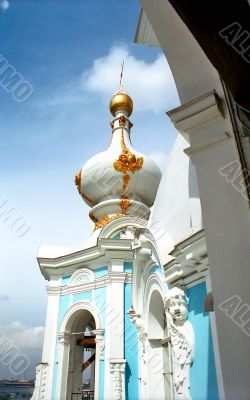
(79, 317)
(80, 276)
(156, 317)
(158, 355)
(75, 309)
(113, 226)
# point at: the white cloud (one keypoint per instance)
(4, 4)
(24, 337)
(68, 95)
(151, 85)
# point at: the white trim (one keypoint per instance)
(80, 272)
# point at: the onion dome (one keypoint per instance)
(119, 181)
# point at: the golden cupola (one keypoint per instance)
(120, 181)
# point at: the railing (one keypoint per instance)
(85, 395)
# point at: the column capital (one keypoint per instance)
(196, 112)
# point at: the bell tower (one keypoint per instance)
(96, 340)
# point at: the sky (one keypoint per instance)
(69, 53)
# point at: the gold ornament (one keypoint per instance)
(78, 185)
(121, 102)
(106, 219)
(92, 217)
(124, 204)
(127, 162)
(122, 121)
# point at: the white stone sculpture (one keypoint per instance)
(39, 391)
(182, 340)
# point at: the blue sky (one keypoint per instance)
(70, 51)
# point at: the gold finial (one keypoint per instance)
(121, 77)
(121, 100)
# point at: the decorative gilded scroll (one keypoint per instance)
(106, 219)
(127, 162)
(124, 204)
(78, 185)
(122, 121)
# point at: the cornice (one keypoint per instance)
(105, 250)
(122, 277)
(189, 263)
(196, 112)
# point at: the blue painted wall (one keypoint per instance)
(203, 375)
(155, 268)
(85, 296)
(65, 279)
(128, 267)
(130, 349)
(102, 271)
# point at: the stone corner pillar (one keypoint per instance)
(117, 369)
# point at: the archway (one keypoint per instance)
(158, 352)
(81, 370)
(79, 348)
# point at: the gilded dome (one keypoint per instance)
(121, 102)
(119, 181)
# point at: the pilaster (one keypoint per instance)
(225, 212)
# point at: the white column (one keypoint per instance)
(117, 369)
(50, 338)
(225, 213)
(114, 348)
(98, 357)
(63, 365)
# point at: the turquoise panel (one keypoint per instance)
(86, 296)
(128, 267)
(102, 370)
(130, 349)
(63, 307)
(203, 375)
(156, 268)
(102, 271)
(65, 279)
(100, 301)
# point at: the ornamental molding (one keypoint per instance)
(116, 225)
(101, 254)
(81, 276)
(197, 112)
(40, 382)
(88, 287)
(99, 335)
(79, 306)
(117, 370)
(189, 262)
(137, 320)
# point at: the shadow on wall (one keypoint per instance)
(203, 378)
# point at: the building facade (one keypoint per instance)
(210, 239)
(113, 313)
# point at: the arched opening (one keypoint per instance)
(158, 360)
(81, 361)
